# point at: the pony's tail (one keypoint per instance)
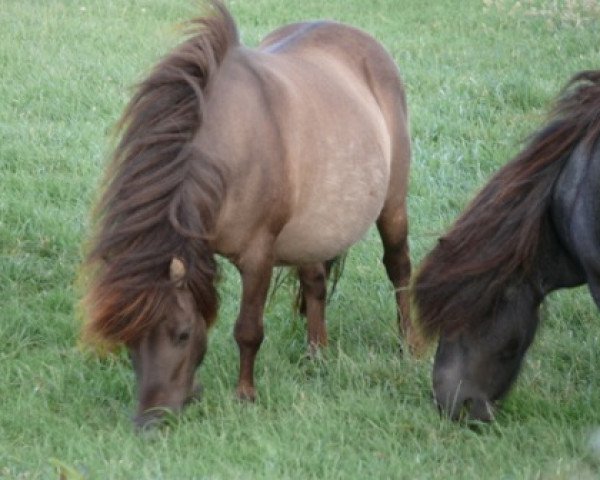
(495, 241)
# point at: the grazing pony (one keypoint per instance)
(534, 228)
(280, 155)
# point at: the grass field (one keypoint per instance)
(480, 76)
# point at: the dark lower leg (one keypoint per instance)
(396, 259)
(248, 349)
(313, 279)
(397, 267)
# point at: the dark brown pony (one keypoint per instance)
(534, 228)
(280, 155)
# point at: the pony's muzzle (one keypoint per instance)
(149, 419)
(463, 403)
(152, 417)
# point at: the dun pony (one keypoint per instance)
(280, 155)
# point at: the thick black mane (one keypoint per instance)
(496, 240)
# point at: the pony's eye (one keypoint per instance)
(183, 337)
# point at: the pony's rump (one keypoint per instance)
(495, 241)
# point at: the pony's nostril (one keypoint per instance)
(451, 406)
(481, 410)
(464, 410)
(440, 408)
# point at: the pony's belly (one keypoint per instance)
(299, 246)
(311, 239)
(335, 212)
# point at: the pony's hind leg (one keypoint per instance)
(393, 229)
(313, 291)
(249, 331)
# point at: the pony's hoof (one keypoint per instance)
(316, 351)
(245, 393)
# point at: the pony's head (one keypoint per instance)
(166, 356)
(161, 316)
(474, 368)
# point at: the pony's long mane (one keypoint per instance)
(495, 241)
(162, 194)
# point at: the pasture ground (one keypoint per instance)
(480, 76)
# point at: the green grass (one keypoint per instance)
(479, 75)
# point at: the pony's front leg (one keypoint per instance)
(249, 326)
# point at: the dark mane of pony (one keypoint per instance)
(495, 241)
(161, 195)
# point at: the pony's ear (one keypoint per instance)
(177, 272)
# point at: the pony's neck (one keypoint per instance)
(555, 267)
